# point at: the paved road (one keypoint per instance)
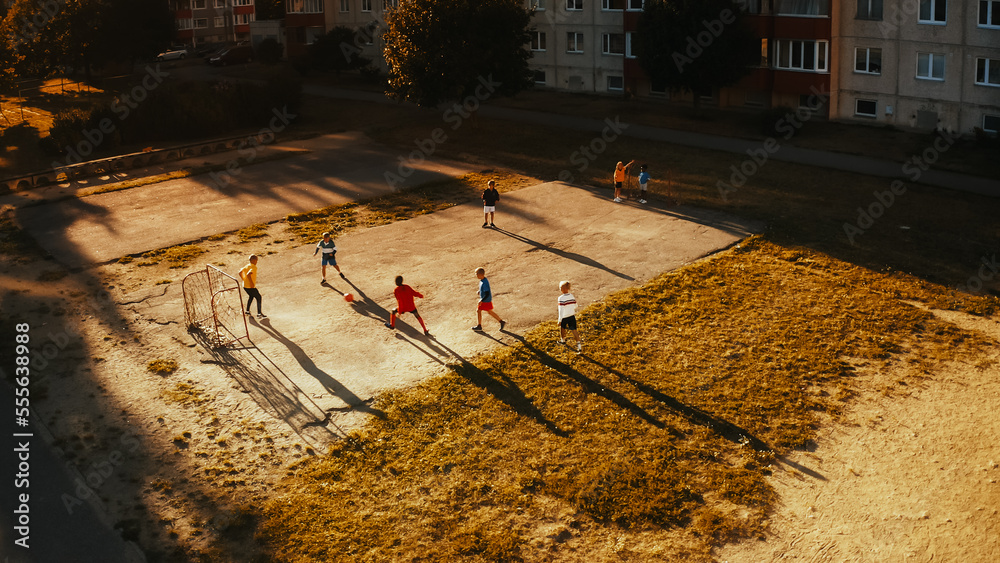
(337, 169)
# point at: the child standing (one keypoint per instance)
(485, 301)
(567, 315)
(249, 276)
(620, 171)
(490, 198)
(404, 304)
(329, 249)
(643, 180)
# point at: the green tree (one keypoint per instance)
(695, 45)
(441, 50)
(337, 50)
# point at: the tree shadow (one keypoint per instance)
(564, 254)
(326, 380)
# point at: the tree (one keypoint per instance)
(337, 50)
(695, 45)
(441, 50)
(269, 10)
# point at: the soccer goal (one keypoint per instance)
(213, 305)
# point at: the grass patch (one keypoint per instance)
(162, 367)
(247, 234)
(174, 256)
(185, 393)
(667, 424)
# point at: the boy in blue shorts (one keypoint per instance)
(329, 249)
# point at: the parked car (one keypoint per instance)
(232, 56)
(172, 53)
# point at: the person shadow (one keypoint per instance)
(328, 382)
(564, 254)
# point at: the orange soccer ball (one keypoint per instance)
(348, 297)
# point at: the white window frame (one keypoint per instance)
(612, 89)
(185, 23)
(200, 23)
(303, 6)
(606, 44)
(537, 5)
(243, 19)
(219, 21)
(932, 6)
(988, 64)
(868, 60)
(220, 3)
(543, 81)
(821, 54)
(576, 43)
(630, 5)
(574, 5)
(781, 5)
(366, 5)
(345, 6)
(242, 2)
(931, 59)
(197, 4)
(858, 112)
(388, 4)
(629, 36)
(987, 116)
(608, 5)
(538, 41)
(992, 13)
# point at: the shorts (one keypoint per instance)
(400, 313)
(329, 259)
(489, 208)
(642, 187)
(485, 306)
(618, 185)
(569, 323)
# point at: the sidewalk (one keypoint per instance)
(797, 155)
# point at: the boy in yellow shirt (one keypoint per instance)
(249, 276)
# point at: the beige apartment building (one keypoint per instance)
(923, 64)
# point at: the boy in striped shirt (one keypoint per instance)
(567, 316)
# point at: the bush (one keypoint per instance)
(269, 51)
(772, 117)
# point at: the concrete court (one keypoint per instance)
(339, 168)
(340, 354)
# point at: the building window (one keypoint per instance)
(220, 3)
(933, 11)
(574, 5)
(764, 59)
(538, 41)
(574, 42)
(930, 66)
(540, 77)
(304, 6)
(198, 4)
(612, 4)
(242, 2)
(242, 19)
(366, 5)
(629, 42)
(989, 13)
(201, 23)
(185, 23)
(537, 5)
(803, 7)
(868, 60)
(616, 83)
(345, 5)
(219, 21)
(866, 108)
(613, 43)
(991, 123)
(635, 5)
(387, 4)
(869, 9)
(801, 55)
(988, 72)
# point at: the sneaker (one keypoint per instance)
(642, 201)
(343, 276)
(477, 327)
(579, 346)
(389, 326)
(248, 313)
(261, 316)
(486, 225)
(427, 333)
(618, 200)
(503, 324)
(562, 340)
(322, 281)
(492, 226)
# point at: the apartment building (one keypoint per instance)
(924, 64)
(212, 21)
(307, 20)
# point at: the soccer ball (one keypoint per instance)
(348, 297)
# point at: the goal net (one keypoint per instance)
(213, 305)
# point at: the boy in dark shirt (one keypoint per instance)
(490, 198)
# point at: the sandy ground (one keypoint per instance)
(907, 475)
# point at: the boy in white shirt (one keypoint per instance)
(567, 315)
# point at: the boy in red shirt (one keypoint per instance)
(404, 304)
